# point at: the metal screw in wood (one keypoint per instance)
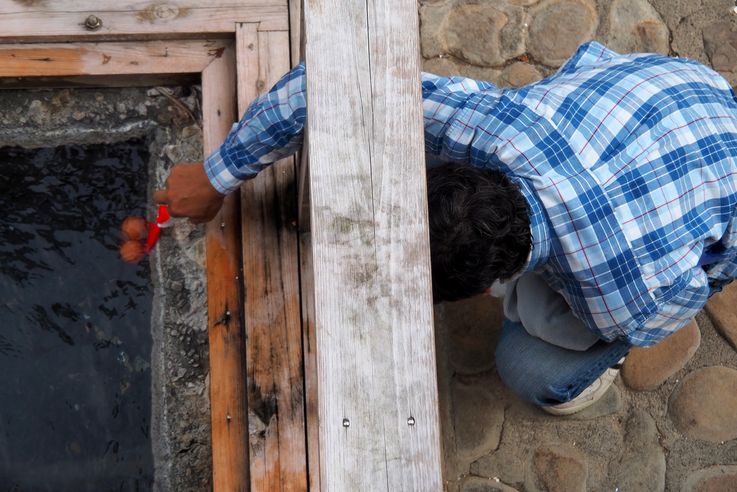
(411, 421)
(93, 23)
(346, 423)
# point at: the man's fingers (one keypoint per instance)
(161, 197)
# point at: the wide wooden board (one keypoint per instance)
(377, 384)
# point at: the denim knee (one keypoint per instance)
(545, 374)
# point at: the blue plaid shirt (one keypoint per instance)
(628, 164)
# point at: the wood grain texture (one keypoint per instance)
(373, 302)
(64, 20)
(272, 300)
(112, 58)
(224, 295)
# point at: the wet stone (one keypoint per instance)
(722, 309)
(722, 478)
(485, 34)
(703, 405)
(477, 417)
(642, 465)
(557, 468)
(646, 368)
(558, 27)
(519, 74)
(635, 26)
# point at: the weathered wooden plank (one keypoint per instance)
(272, 302)
(224, 295)
(373, 304)
(110, 58)
(34, 20)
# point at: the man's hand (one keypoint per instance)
(188, 193)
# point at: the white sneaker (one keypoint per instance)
(590, 395)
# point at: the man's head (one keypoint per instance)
(479, 229)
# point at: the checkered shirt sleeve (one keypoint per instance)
(271, 129)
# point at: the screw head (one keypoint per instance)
(346, 423)
(93, 23)
(411, 421)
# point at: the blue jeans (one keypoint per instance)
(545, 374)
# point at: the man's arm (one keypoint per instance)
(270, 130)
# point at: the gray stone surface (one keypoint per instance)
(703, 406)
(477, 419)
(642, 464)
(557, 468)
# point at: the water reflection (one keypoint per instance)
(74, 321)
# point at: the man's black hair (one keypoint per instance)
(479, 229)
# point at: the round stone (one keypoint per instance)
(720, 44)
(477, 420)
(432, 22)
(722, 309)
(558, 27)
(703, 406)
(642, 463)
(485, 34)
(647, 368)
(635, 26)
(721, 478)
(557, 468)
(519, 74)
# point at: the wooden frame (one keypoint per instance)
(248, 60)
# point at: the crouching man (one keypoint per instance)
(599, 203)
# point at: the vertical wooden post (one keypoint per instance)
(224, 298)
(272, 303)
(377, 384)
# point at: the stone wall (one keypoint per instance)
(516, 42)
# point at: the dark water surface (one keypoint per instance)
(75, 342)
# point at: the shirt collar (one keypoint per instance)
(540, 250)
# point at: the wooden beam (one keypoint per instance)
(377, 384)
(272, 301)
(224, 295)
(111, 58)
(37, 20)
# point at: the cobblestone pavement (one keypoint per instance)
(670, 420)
